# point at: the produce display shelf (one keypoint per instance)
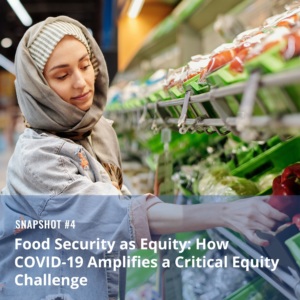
(262, 121)
(278, 79)
(244, 123)
(240, 123)
(287, 284)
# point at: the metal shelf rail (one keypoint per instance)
(243, 122)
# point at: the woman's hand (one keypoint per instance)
(245, 216)
(250, 215)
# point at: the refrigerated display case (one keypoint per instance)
(257, 111)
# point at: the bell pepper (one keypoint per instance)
(291, 173)
(286, 187)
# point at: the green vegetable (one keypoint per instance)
(219, 182)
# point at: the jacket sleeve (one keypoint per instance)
(48, 178)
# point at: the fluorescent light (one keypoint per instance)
(7, 64)
(20, 11)
(6, 42)
(135, 8)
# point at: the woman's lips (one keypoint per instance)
(82, 96)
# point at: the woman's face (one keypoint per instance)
(69, 72)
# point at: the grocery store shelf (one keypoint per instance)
(283, 122)
(279, 79)
(197, 14)
(242, 122)
(284, 282)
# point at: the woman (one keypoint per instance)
(66, 169)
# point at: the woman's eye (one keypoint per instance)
(62, 77)
(85, 67)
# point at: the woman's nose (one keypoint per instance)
(79, 81)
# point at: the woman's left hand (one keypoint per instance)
(250, 215)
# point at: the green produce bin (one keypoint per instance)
(272, 160)
(277, 99)
(133, 103)
(194, 85)
(162, 95)
(171, 111)
(224, 77)
(175, 111)
(272, 61)
(152, 98)
(175, 92)
(203, 109)
(293, 244)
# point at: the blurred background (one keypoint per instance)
(137, 38)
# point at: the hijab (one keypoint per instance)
(44, 110)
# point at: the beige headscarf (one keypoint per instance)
(44, 109)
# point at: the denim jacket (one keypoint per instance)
(51, 178)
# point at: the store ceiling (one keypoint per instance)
(88, 12)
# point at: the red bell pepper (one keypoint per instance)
(291, 173)
(285, 190)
